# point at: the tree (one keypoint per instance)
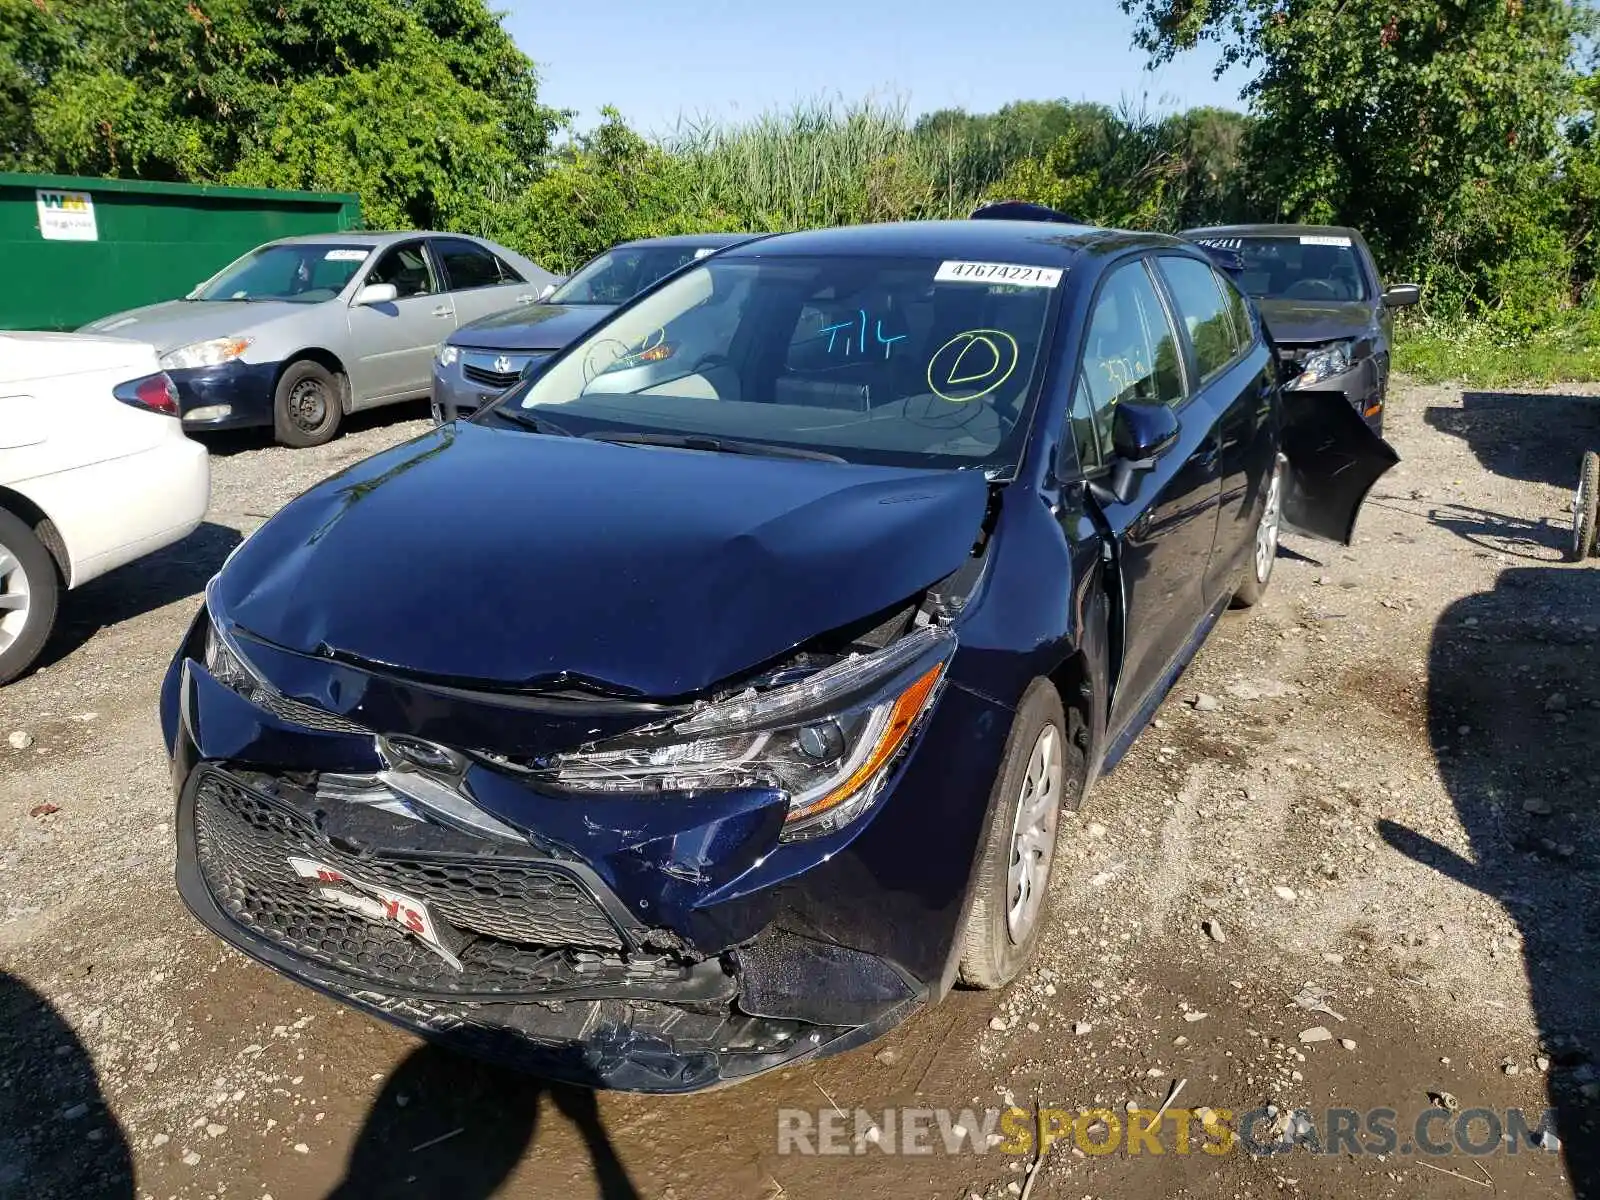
(334, 94)
(1380, 113)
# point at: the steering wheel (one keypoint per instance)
(1312, 289)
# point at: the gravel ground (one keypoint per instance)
(1377, 792)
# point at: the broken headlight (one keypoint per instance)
(1324, 365)
(829, 741)
(227, 665)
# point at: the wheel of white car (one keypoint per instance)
(1264, 549)
(306, 408)
(29, 592)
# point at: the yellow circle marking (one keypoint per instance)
(983, 347)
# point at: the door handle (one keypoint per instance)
(524, 299)
(442, 311)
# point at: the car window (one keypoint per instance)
(1200, 304)
(466, 265)
(405, 266)
(300, 272)
(1132, 351)
(1244, 325)
(1318, 267)
(1085, 432)
(508, 273)
(622, 273)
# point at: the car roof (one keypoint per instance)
(367, 237)
(1269, 229)
(1035, 243)
(693, 239)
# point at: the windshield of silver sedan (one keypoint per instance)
(299, 272)
(916, 362)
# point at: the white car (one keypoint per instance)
(95, 471)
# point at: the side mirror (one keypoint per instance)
(1140, 432)
(376, 293)
(545, 292)
(1403, 295)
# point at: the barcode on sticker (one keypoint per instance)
(1319, 239)
(1016, 274)
(345, 256)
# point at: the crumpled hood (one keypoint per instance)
(533, 327)
(175, 323)
(1301, 322)
(504, 558)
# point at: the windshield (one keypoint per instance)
(304, 273)
(621, 274)
(1309, 267)
(896, 361)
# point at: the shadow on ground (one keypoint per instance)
(1527, 436)
(225, 443)
(54, 1123)
(175, 573)
(448, 1125)
(1514, 719)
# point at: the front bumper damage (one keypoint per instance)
(602, 949)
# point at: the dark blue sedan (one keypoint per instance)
(787, 610)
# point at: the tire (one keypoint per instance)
(30, 591)
(306, 407)
(1264, 548)
(1003, 927)
(1586, 508)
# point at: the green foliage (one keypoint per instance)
(1479, 354)
(425, 107)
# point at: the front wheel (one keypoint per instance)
(306, 407)
(1264, 553)
(1586, 508)
(29, 592)
(1042, 772)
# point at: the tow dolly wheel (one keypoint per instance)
(1586, 508)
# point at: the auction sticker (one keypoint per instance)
(1016, 274)
(376, 904)
(1320, 239)
(346, 256)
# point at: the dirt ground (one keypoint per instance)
(1387, 791)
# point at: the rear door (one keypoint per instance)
(479, 281)
(1235, 374)
(1164, 531)
(394, 343)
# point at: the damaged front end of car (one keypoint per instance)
(649, 895)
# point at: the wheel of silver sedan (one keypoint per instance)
(1033, 835)
(16, 598)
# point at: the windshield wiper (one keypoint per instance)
(713, 445)
(527, 420)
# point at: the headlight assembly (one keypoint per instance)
(829, 742)
(447, 355)
(212, 353)
(1324, 364)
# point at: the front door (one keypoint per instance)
(1163, 533)
(394, 343)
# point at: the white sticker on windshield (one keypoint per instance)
(1324, 240)
(705, 250)
(346, 255)
(1017, 274)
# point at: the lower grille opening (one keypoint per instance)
(517, 926)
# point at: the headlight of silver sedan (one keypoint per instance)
(211, 353)
(829, 742)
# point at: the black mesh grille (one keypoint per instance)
(534, 920)
(307, 715)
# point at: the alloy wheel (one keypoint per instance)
(1033, 835)
(15, 599)
(1271, 524)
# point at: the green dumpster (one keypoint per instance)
(77, 249)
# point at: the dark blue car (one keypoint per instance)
(782, 615)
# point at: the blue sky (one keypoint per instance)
(738, 58)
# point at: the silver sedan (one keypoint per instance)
(299, 332)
